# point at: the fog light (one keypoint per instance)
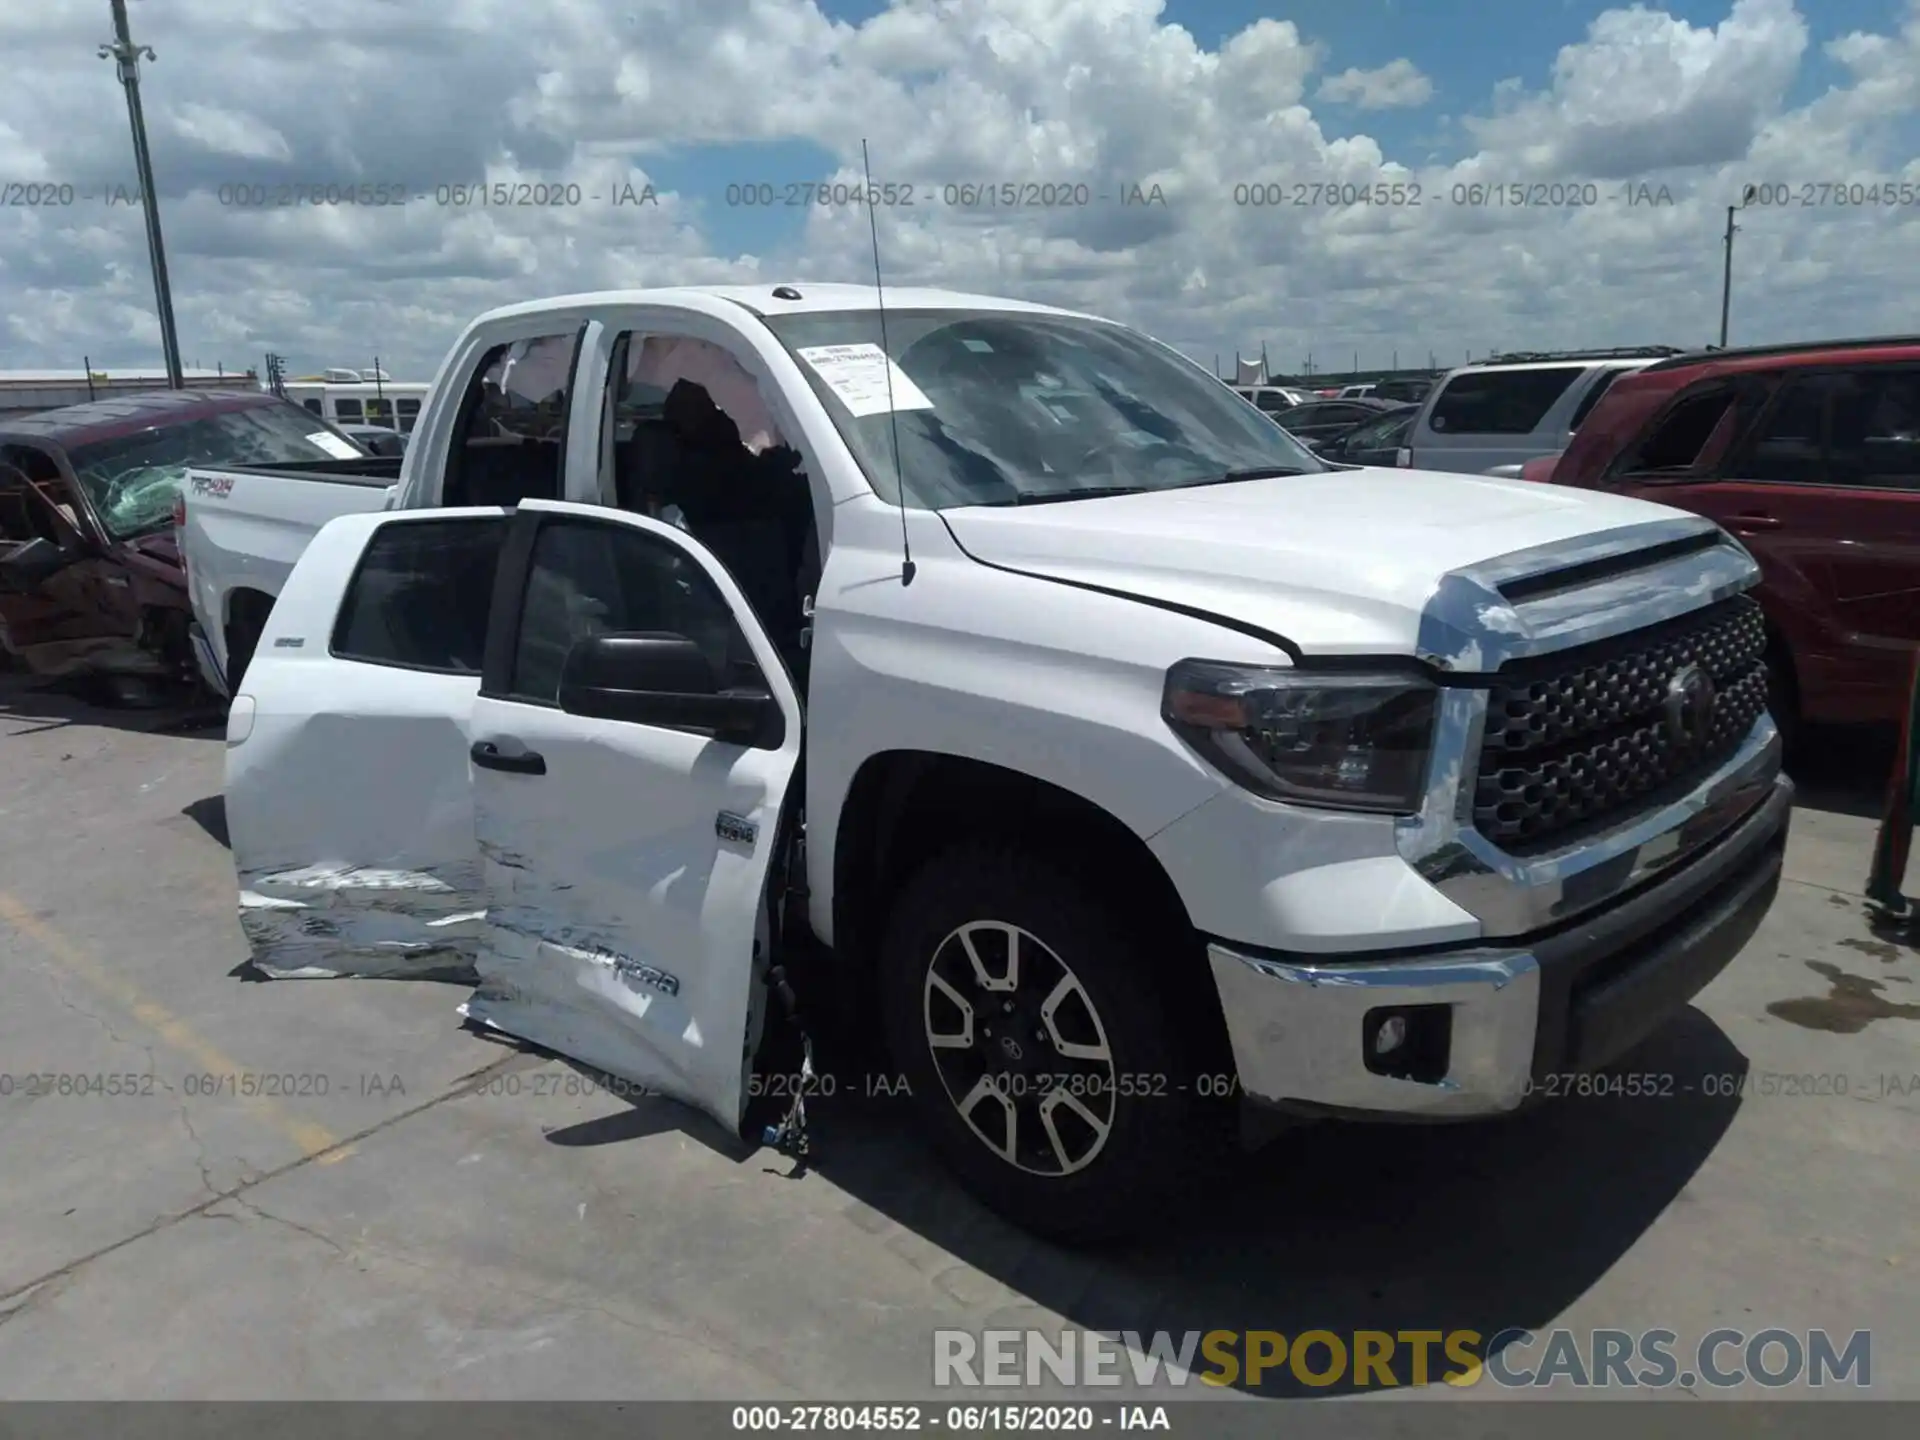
(1391, 1035)
(1408, 1042)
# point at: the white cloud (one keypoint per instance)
(228, 132)
(1647, 92)
(1397, 83)
(1104, 93)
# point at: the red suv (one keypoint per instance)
(1810, 454)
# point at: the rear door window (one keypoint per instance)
(1874, 430)
(420, 596)
(1790, 444)
(1500, 402)
(1692, 433)
(512, 438)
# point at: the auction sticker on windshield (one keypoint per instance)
(860, 376)
(334, 445)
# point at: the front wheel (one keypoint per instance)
(1042, 1035)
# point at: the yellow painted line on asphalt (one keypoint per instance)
(315, 1142)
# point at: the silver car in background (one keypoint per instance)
(1491, 417)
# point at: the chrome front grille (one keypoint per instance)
(1579, 741)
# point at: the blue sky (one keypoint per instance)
(1675, 92)
(1466, 47)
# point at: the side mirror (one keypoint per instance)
(33, 563)
(651, 678)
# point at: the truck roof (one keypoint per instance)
(1807, 353)
(120, 414)
(793, 297)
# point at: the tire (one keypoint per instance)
(1160, 1135)
(243, 638)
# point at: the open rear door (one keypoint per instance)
(628, 834)
(348, 798)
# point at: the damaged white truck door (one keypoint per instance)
(348, 792)
(633, 744)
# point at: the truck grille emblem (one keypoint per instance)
(1689, 705)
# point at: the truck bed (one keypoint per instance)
(246, 525)
(381, 470)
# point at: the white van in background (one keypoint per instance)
(351, 397)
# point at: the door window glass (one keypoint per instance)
(1874, 439)
(1381, 434)
(1789, 445)
(421, 595)
(1678, 440)
(590, 579)
(1500, 402)
(512, 446)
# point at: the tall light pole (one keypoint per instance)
(126, 56)
(1726, 273)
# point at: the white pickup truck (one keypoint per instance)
(1016, 674)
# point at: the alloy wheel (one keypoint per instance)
(1019, 1047)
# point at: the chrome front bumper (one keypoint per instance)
(1582, 950)
(1571, 997)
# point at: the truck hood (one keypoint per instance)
(1337, 563)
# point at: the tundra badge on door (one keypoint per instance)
(729, 826)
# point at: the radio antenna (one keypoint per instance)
(886, 364)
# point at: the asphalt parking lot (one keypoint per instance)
(455, 1218)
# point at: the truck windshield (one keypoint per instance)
(1001, 407)
(131, 480)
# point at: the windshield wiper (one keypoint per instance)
(1255, 472)
(1091, 492)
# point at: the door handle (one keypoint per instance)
(1754, 522)
(487, 756)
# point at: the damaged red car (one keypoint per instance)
(92, 588)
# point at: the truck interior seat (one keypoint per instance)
(642, 463)
(694, 460)
(506, 469)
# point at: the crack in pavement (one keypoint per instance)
(253, 1209)
(60, 995)
(37, 1294)
(465, 1085)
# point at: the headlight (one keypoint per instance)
(1345, 742)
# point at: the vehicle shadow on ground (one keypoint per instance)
(31, 704)
(1335, 1227)
(210, 814)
